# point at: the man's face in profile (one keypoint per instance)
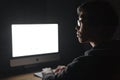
(82, 28)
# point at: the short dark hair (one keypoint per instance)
(100, 14)
(101, 11)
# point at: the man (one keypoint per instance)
(97, 23)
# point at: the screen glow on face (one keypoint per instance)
(34, 39)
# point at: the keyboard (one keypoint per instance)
(39, 74)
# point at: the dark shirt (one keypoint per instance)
(99, 63)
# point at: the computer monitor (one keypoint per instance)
(34, 43)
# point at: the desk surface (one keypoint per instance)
(27, 76)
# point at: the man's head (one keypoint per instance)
(97, 21)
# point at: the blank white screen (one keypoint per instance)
(33, 39)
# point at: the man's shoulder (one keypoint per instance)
(82, 60)
(95, 60)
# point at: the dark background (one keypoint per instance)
(39, 11)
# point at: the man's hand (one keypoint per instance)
(47, 70)
(59, 69)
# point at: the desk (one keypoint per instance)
(27, 76)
